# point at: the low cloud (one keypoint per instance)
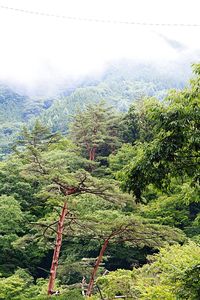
(41, 53)
(175, 44)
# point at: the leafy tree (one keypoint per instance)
(13, 183)
(138, 123)
(13, 286)
(11, 220)
(20, 207)
(174, 150)
(10, 214)
(167, 276)
(179, 208)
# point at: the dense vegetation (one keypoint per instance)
(130, 181)
(119, 86)
(16, 110)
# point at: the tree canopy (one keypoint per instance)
(128, 184)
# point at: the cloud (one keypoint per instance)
(39, 51)
(177, 45)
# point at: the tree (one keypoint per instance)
(14, 286)
(119, 229)
(173, 152)
(11, 220)
(95, 128)
(10, 215)
(173, 273)
(138, 123)
(59, 175)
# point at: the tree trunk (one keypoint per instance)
(57, 248)
(98, 261)
(92, 153)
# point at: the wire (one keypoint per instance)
(94, 20)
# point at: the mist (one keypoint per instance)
(41, 55)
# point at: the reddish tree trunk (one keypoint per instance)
(92, 153)
(98, 261)
(57, 248)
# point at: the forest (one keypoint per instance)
(108, 208)
(120, 84)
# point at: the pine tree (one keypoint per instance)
(95, 128)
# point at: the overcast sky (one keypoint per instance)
(36, 49)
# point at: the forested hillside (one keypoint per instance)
(16, 110)
(117, 190)
(119, 86)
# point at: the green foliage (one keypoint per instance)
(174, 209)
(11, 220)
(169, 268)
(15, 110)
(118, 283)
(95, 130)
(121, 158)
(167, 276)
(158, 163)
(13, 286)
(10, 215)
(173, 150)
(121, 85)
(139, 122)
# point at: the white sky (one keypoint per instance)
(36, 49)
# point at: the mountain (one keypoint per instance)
(11, 115)
(16, 110)
(119, 85)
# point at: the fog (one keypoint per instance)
(41, 53)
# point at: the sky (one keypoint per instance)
(36, 49)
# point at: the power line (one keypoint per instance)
(94, 20)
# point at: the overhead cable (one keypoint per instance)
(94, 20)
